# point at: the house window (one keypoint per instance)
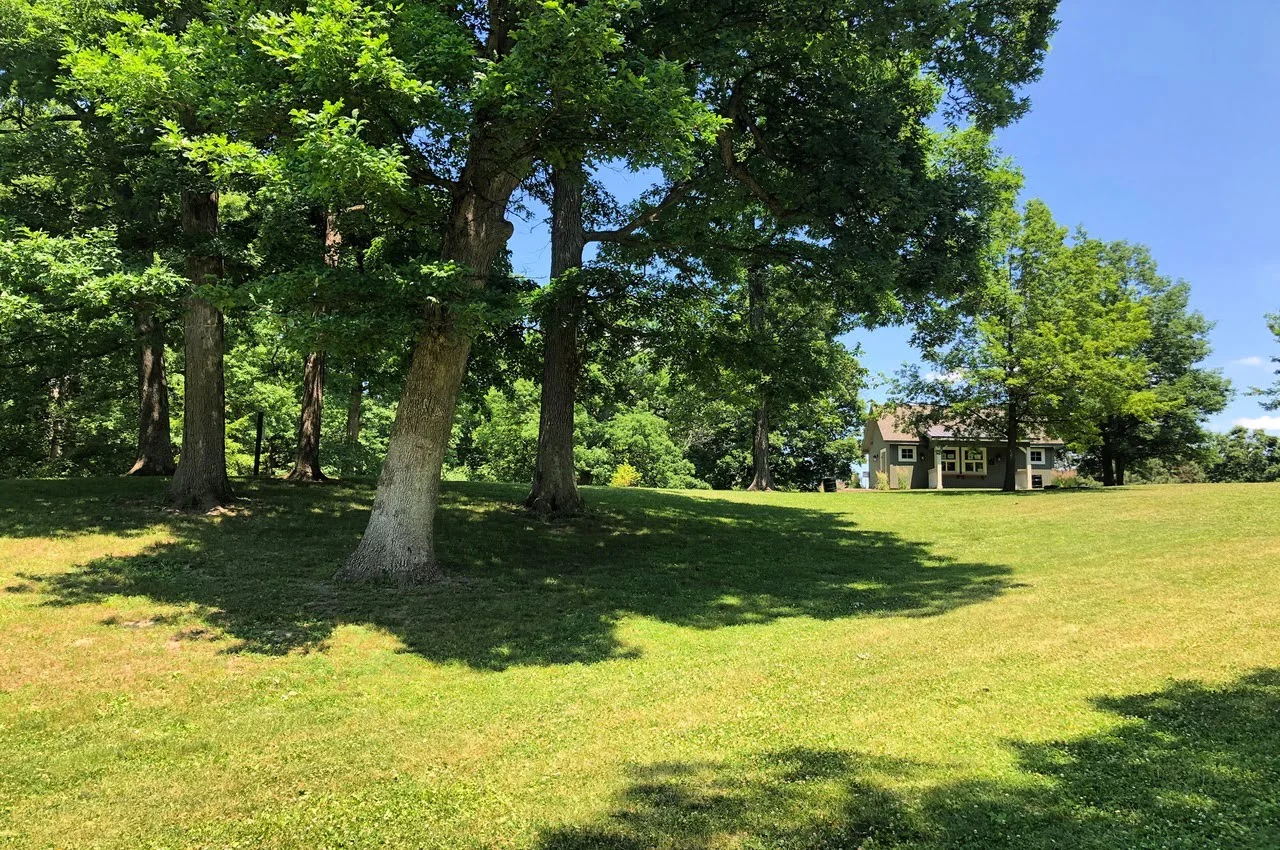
(1037, 455)
(907, 453)
(975, 462)
(949, 461)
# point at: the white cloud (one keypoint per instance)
(1265, 423)
(953, 377)
(1253, 360)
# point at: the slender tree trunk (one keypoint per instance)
(399, 542)
(306, 465)
(555, 485)
(355, 402)
(155, 445)
(1120, 470)
(1107, 456)
(201, 477)
(56, 424)
(1010, 451)
(762, 478)
(757, 299)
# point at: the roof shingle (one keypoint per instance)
(895, 427)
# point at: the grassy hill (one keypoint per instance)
(683, 670)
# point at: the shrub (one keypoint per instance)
(641, 439)
(1072, 481)
(625, 475)
(882, 480)
(1156, 471)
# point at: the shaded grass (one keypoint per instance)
(525, 592)
(674, 670)
(1188, 767)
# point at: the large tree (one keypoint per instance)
(1178, 394)
(306, 464)
(758, 334)
(824, 128)
(518, 64)
(555, 479)
(624, 107)
(137, 76)
(70, 172)
(1046, 345)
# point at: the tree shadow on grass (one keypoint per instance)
(1187, 768)
(795, 798)
(523, 592)
(64, 507)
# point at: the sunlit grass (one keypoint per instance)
(875, 670)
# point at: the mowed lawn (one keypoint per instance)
(684, 670)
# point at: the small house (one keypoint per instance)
(944, 457)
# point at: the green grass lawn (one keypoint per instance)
(684, 670)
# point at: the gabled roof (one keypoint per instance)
(895, 427)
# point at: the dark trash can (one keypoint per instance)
(828, 485)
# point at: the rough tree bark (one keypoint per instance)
(762, 477)
(555, 486)
(201, 477)
(399, 542)
(355, 402)
(306, 464)
(155, 444)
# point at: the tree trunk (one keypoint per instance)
(1120, 469)
(555, 485)
(56, 425)
(155, 444)
(306, 466)
(352, 441)
(399, 542)
(1107, 456)
(762, 478)
(1010, 451)
(201, 477)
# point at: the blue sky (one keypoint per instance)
(1155, 122)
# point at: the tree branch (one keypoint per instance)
(737, 170)
(423, 173)
(81, 357)
(675, 194)
(645, 242)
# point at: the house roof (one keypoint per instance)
(895, 427)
